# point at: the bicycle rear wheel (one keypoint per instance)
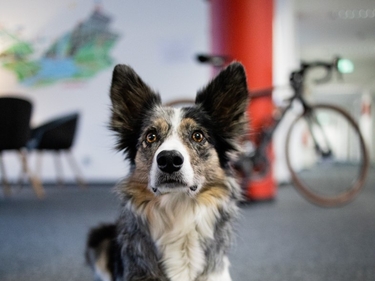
(326, 156)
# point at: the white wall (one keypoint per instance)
(159, 39)
(285, 60)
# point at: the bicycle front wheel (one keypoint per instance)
(326, 155)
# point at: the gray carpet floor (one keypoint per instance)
(286, 239)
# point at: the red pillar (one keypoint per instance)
(242, 30)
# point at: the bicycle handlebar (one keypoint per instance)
(215, 60)
(297, 77)
(328, 66)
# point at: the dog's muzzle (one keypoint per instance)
(173, 174)
(170, 161)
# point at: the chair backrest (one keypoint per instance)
(57, 134)
(15, 115)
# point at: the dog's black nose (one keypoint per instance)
(170, 161)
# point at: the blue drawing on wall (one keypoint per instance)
(77, 55)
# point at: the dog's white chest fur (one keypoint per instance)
(178, 226)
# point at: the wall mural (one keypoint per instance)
(76, 55)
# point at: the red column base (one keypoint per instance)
(260, 114)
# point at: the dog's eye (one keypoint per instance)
(197, 136)
(151, 137)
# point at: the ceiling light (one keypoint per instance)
(354, 14)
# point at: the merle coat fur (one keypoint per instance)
(162, 234)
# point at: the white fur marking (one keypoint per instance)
(178, 227)
(174, 143)
(101, 269)
(222, 276)
(178, 224)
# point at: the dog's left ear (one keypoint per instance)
(225, 100)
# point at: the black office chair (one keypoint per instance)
(15, 114)
(57, 135)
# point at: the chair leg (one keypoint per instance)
(22, 177)
(74, 166)
(5, 183)
(35, 182)
(59, 169)
(39, 156)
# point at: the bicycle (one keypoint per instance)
(325, 151)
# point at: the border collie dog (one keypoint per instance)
(180, 197)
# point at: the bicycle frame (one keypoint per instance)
(297, 83)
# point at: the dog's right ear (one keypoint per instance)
(131, 100)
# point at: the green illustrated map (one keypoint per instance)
(77, 55)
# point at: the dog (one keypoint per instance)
(180, 198)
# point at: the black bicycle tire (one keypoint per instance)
(350, 194)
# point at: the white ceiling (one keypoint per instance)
(326, 28)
